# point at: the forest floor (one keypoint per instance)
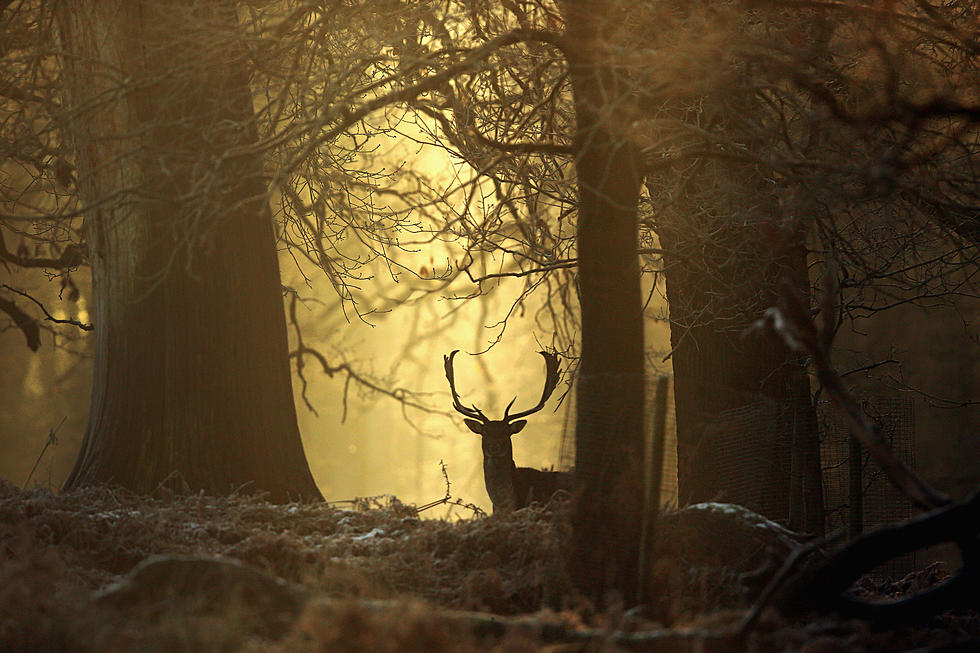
(104, 570)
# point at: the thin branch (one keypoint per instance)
(548, 267)
(71, 257)
(72, 321)
(399, 394)
(52, 440)
(347, 117)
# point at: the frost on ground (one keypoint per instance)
(103, 569)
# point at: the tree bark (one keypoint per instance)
(192, 386)
(741, 399)
(610, 382)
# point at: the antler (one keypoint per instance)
(550, 383)
(473, 412)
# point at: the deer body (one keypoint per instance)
(510, 487)
(538, 485)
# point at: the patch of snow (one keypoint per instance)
(375, 532)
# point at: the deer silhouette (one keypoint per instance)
(510, 487)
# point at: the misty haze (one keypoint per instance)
(479, 326)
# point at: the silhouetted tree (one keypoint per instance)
(720, 148)
(163, 145)
(192, 383)
(610, 397)
(759, 159)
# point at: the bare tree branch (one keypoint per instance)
(50, 318)
(24, 322)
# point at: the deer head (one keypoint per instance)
(495, 434)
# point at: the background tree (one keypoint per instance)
(762, 139)
(820, 114)
(745, 174)
(169, 147)
(731, 237)
(191, 359)
(610, 408)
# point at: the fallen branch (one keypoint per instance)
(555, 634)
(823, 586)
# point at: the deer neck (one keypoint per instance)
(498, 475)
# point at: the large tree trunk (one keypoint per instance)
(609, 420)
(192, 385)
(742, 399)
(732, 232)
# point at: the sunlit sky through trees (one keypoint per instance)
(447, 218)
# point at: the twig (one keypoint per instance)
(445, 499)
(448, 500)
(52, 440)
(399, 394)
(48, 316)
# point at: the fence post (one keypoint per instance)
(855, 502)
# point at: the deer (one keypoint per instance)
(510, 487)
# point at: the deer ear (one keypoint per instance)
(475, 426)
(515, 427)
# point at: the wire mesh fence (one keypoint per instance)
(759, 480)
(745, 452)
(882, 503)
(668, 484)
